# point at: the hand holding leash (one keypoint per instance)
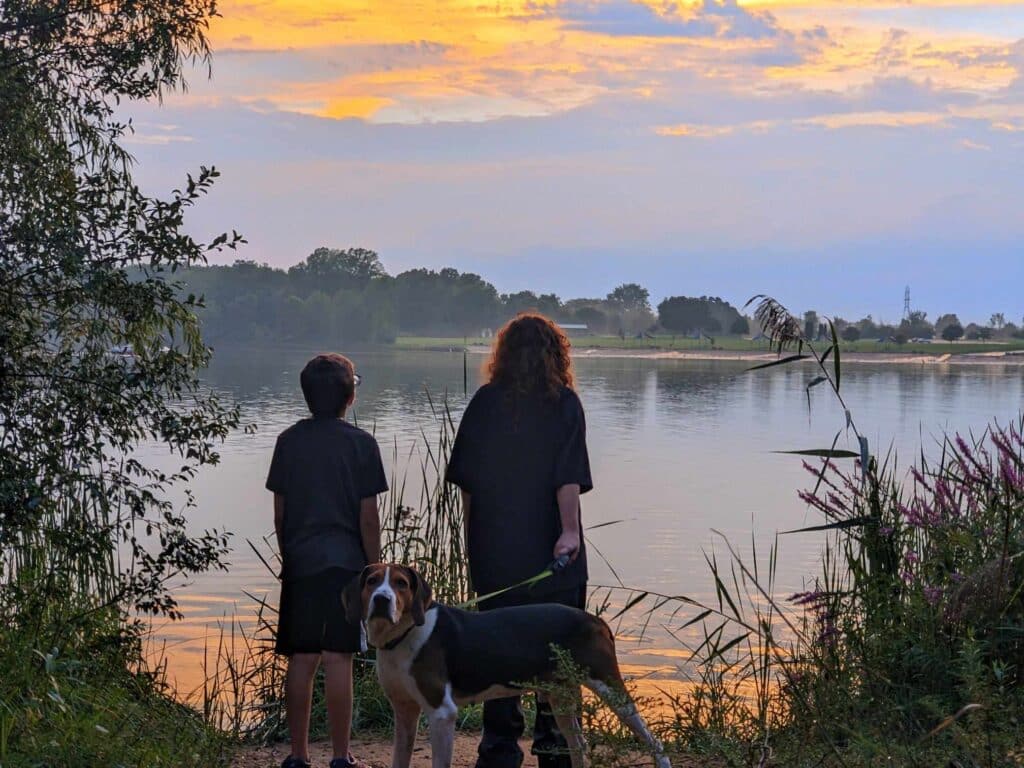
(567, 546)
(560, 563)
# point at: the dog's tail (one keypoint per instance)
(615, 696)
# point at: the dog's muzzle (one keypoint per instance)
(380, 607)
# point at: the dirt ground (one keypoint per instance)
(378, 754)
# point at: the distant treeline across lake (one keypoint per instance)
(346, 296)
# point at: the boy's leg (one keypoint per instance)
(341, 641)
(298, 697)
(338, 686)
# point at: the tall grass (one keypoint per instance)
(907, 649)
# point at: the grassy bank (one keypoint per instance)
(723, 343)
(89, 701)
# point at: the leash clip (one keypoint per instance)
(560, 563)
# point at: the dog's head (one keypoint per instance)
(384, 596)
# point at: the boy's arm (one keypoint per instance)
(279, 521)
(569, 513)
(369, 528)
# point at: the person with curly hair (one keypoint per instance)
(520, 459)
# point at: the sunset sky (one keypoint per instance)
(827, 152)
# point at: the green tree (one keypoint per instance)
(952, 331)
(333, 269)
(851, 333)
(683, 314)
(740, 326)
(527, 301)
(916, 326)
(631, 297)
(87, 264)
(946, 320)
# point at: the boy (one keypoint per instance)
(325, 476)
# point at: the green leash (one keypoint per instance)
(556, 565)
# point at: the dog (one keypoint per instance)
(434, 659)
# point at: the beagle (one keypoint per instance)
(434, 658)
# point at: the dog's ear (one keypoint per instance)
(421, 597)
(352, 597)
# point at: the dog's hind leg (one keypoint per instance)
(565, 710)
(407, 715)
(623, 706)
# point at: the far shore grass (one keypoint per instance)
(665, 343)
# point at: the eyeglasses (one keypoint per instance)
(357, 379)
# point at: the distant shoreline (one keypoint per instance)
(1012, 358)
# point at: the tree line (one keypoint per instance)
(347, 296)
(917, 326)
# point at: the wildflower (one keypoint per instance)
(886, 530)
(808, 598)
(829, 633)
(932, 594)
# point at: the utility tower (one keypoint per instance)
(906, 303)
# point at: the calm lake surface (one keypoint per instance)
(677, 448)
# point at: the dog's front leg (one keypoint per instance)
(407, 716)
(442, 734)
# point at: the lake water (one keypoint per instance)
(677, 448)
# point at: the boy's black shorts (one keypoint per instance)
(311, 617)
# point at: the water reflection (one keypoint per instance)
(678, 448)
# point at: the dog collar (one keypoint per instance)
(390, 645)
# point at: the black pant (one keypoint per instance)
(503, 718)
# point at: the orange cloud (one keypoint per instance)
(529, 58)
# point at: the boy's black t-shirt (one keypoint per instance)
(511, 454)
(324, 467)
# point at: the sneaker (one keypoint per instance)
(348, 762)
(295, 762)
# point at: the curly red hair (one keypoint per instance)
(531, 354)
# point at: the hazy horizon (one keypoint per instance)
(826, 154)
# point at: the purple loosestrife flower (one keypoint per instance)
(828, 509)
(972, 470)
(945, 505)
(813, 597)
(1012, 477)
(933, 595)
(814, 501)
(919, 478)
(829, 633)
(913, 516)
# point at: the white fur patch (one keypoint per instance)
(384, 589)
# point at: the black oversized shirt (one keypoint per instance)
(324, 467)
(511, 454)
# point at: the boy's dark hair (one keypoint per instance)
(328, 382)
